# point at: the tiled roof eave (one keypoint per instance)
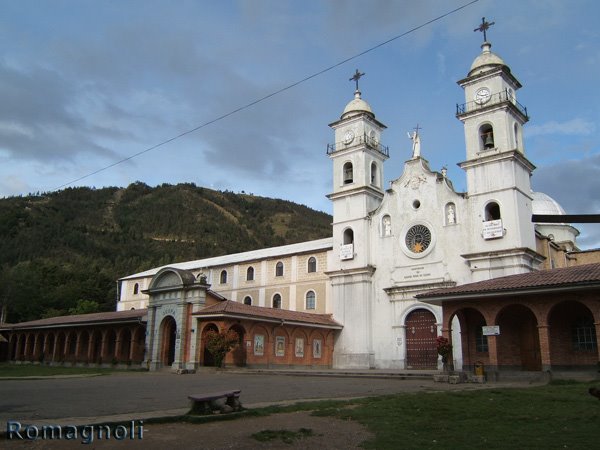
(502, 292)
(241, 316)
(74, 324)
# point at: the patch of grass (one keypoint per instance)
(286, 436)
(42, 370)
(552, 416)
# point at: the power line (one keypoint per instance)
(268, 96)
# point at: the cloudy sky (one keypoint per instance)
(86, 84)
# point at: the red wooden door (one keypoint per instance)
(421, 331)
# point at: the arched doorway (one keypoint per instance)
(49, 349)
(518, 345)
(239, 352)
(84, 341)
(207, 357)
(573, 341)
(471, 340)
(124, 351)
(168, 336)
(95, 348)
(421, 331)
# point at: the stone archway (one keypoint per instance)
(421, 331)
(572, 341)
(168, 336)
(473, 344)
(518, 345)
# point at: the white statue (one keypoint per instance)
(451, 215)
(387, 226)
(416, 146)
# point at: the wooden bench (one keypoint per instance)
(224, 402)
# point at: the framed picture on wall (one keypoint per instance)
(280, 346)
(259, 344)
(317, 347)
(299, 348)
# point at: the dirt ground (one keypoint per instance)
(326, 433)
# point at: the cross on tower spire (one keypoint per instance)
(484, 27)
(357, 75)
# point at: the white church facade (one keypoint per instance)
(390, 244)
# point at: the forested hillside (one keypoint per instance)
(62, 252)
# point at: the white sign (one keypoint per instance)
(346, 251)
(492, 330)
(493, 229)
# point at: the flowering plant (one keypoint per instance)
(443, 347)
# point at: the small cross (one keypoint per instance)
(484, 27)
(356, 77)
(417, 128)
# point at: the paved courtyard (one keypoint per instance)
(134, 393)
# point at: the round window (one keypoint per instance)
(418, 238)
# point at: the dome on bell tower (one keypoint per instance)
(486, 60)
(356, 107)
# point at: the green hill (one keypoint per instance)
(62, 251)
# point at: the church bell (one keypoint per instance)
(488, 140)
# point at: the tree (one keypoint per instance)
(85, 307)
(219, 344)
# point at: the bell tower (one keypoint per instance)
(498, 173)
(357, 156)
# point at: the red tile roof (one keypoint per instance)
(576, 276)
(133, 315)
(229, 308)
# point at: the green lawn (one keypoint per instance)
(559, 415)
(37, 370)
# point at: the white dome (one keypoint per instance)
(543, 204)
(486, 60)
(357, 106)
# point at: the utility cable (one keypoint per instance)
(268, 96)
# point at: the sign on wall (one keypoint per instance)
(491, 330)
(346, 251)
(259, 344)
(493, 229)
(279, 346)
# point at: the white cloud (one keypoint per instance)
(573, 127)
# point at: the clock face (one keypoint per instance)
(482, 95)
(373, 137)
(348, 137)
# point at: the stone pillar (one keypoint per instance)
(493, 353)
(544, 336)
(597, 327)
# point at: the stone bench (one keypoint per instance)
(224, 402)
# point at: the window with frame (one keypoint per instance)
(312, 264)
(223, 277)
(310, 300)
(250, 274)
(136, 289)
(584, 334)
(481, 342)
(279, 269)
(277, 301)
(247, 300)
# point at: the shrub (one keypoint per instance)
(218, 344)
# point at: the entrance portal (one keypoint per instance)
(168, 334)
(421, 331)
